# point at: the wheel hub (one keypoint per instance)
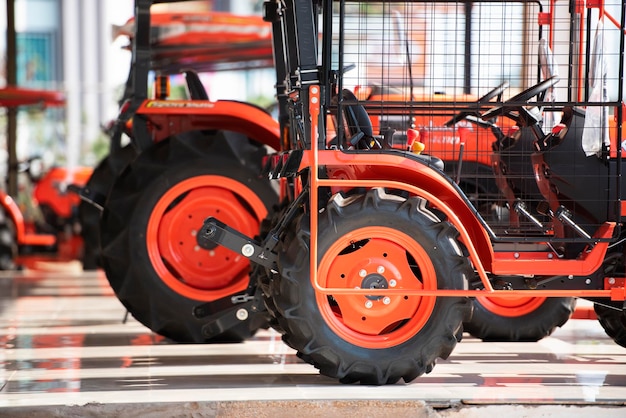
(374, 281)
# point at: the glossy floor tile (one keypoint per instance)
(66, 340)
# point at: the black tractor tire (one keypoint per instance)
(149, 251)
(372, 339)
(97, 187)
(521, 320)
(8, 243)
(613, 321)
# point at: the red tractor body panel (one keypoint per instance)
(171, 117)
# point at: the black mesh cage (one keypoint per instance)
(520, 100)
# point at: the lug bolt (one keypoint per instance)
(247, 250)
(242, 314)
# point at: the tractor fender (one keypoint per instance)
(410, 169)
(172, 117)
(13, 211)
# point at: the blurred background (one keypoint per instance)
(71, 46)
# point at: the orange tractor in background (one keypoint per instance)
(54, 230)
(174, 162)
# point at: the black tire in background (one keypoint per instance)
(8, 244)
(517, 320)
(613, 321)
(97, 188)
(150, 255)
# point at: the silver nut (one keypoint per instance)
(247, 250)
(242, 314)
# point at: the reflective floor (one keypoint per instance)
(65, 339)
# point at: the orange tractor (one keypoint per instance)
(376, 261)
(57, 233)
(174, 162)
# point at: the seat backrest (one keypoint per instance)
(549, 69)
(356, 117)
(195, 86)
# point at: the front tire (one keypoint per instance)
(372, 241)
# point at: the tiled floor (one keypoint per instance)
(64, 341)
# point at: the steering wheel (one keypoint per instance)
(484, 99)
(520, 100)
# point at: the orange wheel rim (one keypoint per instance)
(375, 257)
(511, 307)
(171, 236)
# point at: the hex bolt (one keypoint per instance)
(386, 300)
(210, 231)
(369, 304)
(380, 269)
(392, 283)
(247, 250)
(588, 281)
(611, 280)
(242, 314)
(362, 273)
(516, 255)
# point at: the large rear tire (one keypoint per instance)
(97, 188)
(518, 319)
(150, 253)
(372, 241)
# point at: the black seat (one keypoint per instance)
(578, 182)
(195, 86)
(360, 132)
